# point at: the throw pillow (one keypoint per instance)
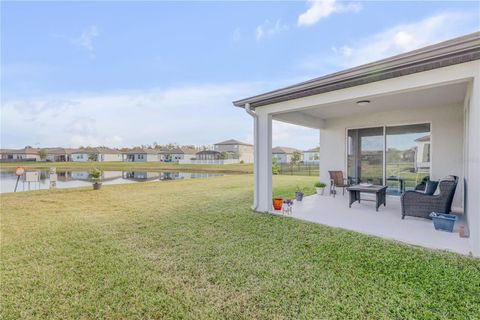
(431, 187)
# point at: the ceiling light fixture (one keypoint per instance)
(363, 102)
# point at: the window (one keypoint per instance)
(397, 156)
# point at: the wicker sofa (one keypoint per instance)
(418, 204)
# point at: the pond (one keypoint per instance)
(79, 178)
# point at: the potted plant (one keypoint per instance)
(320, 186)
(95, 176)
(277, 203)
(299, 194)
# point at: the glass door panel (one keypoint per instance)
(365, 155)
(407, 156)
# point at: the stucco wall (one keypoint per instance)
(447, 140)
(111, 157)
(80, 157)
(246, 153)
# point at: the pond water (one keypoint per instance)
(78, 178)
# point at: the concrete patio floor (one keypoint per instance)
(386, 223)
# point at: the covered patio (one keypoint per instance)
(391, 123)
(386, 223)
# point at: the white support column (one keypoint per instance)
(264, 158)
(472, 175)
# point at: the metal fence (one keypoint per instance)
(299, 169)
(226, 161)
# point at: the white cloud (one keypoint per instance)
(199, 114)
(290, 135)
(320, 9)
(268, 28)
(85, 40)
(403, 38)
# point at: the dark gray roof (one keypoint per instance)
(284, 150)
(458, 50)
(19, 151)
(95, 150)
(208, 152)
(424, 138)
(142, 151)
(233, 142)
(181, 150)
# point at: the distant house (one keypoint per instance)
(56, 154)
(25, 154)
(423, 152)
(311, 155)
(208, 155)
(284, 154)
(177, 154)
(141, 155)
(235, 149)
(100, 154)
(408, 155)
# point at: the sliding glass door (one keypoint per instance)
(397, 156)
(407, 156)
(365, 155)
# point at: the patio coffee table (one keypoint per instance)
(380, 194)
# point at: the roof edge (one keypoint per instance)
(454, 51)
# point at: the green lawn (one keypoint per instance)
(193, 249)
(145, 166)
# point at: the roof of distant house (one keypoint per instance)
(317, 149)
(188, 150)
(233, 142)
(95, 150)
(54, 151)
(285, 150)
(181, 150)
(208, 152)
(424, 138)
(142, 151)
(19, 151)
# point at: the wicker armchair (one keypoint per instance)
(337, 180)
(418, 204)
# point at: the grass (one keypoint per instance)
(193, 249)
(123, 166)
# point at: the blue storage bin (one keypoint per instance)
(443, 221)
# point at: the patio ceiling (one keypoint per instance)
(315, 116)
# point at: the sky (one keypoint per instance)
(122, 74)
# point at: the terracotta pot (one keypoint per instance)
(277, 203)
(97, 185)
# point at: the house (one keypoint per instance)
(100, 154)
(235, 149)
(311, 155)
(422, 156)
(177, 154)
(25, 154)
(208, 155)
(363, 112)
(284, 154)
(56, 154)
(141, 155)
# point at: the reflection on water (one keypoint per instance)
(73, 179)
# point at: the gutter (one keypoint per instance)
(255, 155)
